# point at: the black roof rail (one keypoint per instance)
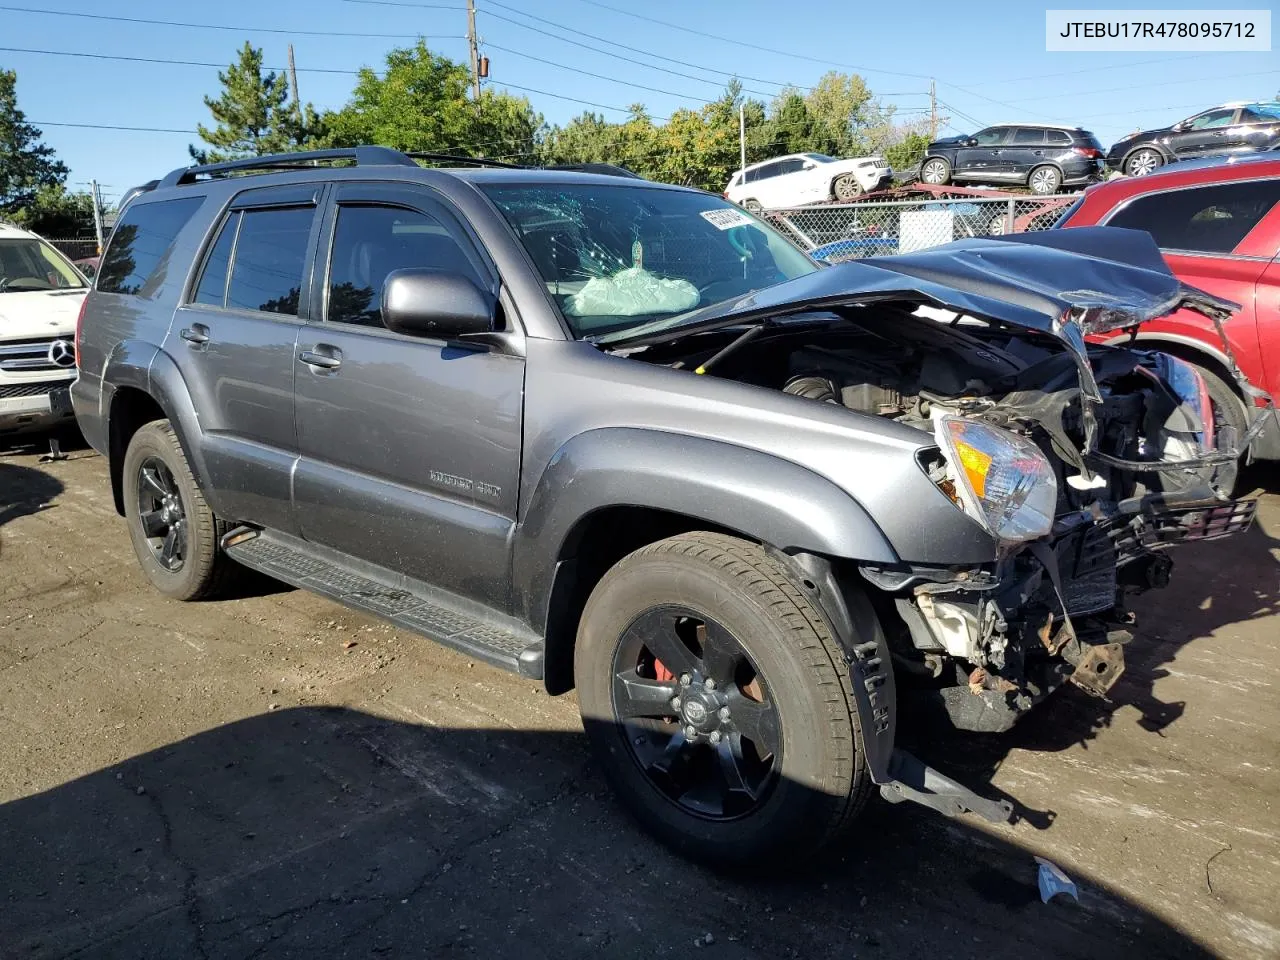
(363, 157)
(474, 161)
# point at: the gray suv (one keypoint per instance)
(625, 437)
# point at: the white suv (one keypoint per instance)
(805, 178)
(40, 298)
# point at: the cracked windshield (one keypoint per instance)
(615, 257)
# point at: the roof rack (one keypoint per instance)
(363, 156)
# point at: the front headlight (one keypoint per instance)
(1001, 479)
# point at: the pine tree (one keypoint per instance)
(254, 115)
(27, 164)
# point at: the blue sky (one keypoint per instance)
(990, 66)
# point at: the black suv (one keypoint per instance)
(625, 437)
(1230, 128)
(1044, 157)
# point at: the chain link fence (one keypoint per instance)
(845, 231)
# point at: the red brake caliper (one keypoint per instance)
(661, 673)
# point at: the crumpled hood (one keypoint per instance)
(38, 313)
(1063, 282)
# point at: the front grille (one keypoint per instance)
(29, 354)
(10, 390)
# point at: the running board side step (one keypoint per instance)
(409, 604)
(914, 781)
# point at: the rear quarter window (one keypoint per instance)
(1211, 219)
(137, 257)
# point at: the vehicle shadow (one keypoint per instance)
(328, 832)
(24, 491)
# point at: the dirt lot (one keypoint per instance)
(274, 776)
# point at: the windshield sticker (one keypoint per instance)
(726, 218)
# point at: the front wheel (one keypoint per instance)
(846, 187)
(1142, 162)
(752, 206)
(1045, 181)
(935, 171)
(718, 703)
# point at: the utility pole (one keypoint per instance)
(97, 213)
(474, 43)
(933, 110)
(293, 82)
(742, 134)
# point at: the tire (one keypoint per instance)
(1228, 411)
(202, 570)
(752, 206)
(1044, 180)
(817, 779)
(935, 170)
(846, 187)
(1143, 161)
(998, 226)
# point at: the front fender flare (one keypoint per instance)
(757, 495)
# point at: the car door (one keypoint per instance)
(409, 447)
(233, 340)
(1024, 150)
(982, 159)
(785, 185)
(1203, 135)
(1256, 128)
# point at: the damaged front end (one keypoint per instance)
(1082, 462)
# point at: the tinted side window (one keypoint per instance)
(789, 166)
(1058, 136)
(765, 172)
(139, 249)
(369, 242)
(213, 281)
(1027, 136)
(991, 138)
(1212, 219)
(1212, 119)
(270, 256)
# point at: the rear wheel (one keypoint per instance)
(174, 533)
(1044, 180)
(718, 703)
(936, 171)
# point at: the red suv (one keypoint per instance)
(1218, 225)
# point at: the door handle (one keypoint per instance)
(197, 333)
(323, 361)
(1038, 153)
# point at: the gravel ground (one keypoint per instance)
(274, 776)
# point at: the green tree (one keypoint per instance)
(27, 164)
(907, 152)
(420, 103)
(52, 211)
(255, 116)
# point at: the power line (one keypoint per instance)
(181, 63)
(595, 76)
(110, 126)
(217, 26)
(751, 46)
(1165, 83)
(1091, 70)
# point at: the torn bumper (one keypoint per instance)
(1053, 613)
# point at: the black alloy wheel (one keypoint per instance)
(697, 713)
(162, 514)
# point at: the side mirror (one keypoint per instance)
(971, 141)
(434, 303)
(808, 165)
(1179, 126)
